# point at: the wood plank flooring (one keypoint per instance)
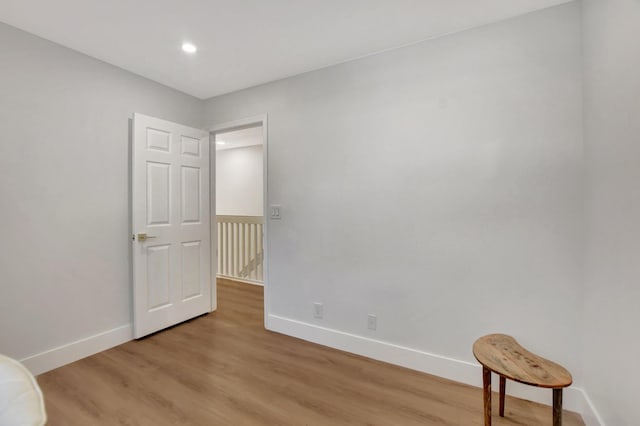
(226, 369)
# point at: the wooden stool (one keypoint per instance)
(502, 355)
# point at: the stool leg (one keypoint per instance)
(503, 389)
(557, 407)
(486, 390)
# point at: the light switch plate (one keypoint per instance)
(275, 211)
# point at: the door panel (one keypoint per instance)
(190, 194)
(171, 205)
(158, 194)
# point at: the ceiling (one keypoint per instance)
(239, 138)
(242, 43)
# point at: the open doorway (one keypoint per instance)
(173, 206)
(240, 204)
(240, 196)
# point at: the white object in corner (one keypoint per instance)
(21, 401)
(575, 399)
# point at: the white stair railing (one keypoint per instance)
(240, 253)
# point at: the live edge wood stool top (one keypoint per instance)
(503, 355)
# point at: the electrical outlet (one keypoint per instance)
(372, 322)
(318, 310)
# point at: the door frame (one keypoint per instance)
(257, 120)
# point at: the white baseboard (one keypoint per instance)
(575, 399)
(589, 413)
(241, 280)
(65, 354)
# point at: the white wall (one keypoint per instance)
(612, 135)
(239, 177)
(438, 186)
(64, 159)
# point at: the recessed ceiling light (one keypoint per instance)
(189, 48)
(221, 143)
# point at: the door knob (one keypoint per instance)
(142, 236)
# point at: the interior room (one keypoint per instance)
(442, 201)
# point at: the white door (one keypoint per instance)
(171, 217)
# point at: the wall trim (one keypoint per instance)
(575, 399)
(589, 413)
(240, 280)
(65, 354)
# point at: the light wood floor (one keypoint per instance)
(225, 369)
